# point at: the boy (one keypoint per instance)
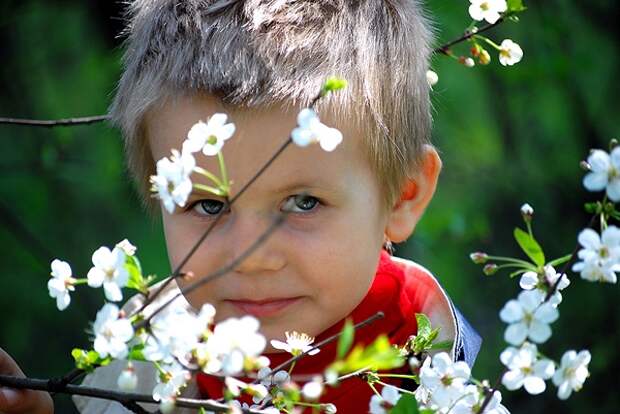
(261, 62)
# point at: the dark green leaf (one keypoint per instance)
(406, 404)
(346, 339)
(442, 345)
(515, 6)
(530, 246)
(560, 260)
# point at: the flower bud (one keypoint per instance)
(329, 408)
(127, 381)
(489, 269)
(166, 406)
(484, 57)
(414, 364)
(527, 212)
(585, 166)
(475, 50)
(479, 257)
(432, 78)
(613, 144)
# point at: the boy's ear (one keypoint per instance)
(415, 195)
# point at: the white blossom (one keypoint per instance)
(127, 380)
(527, 210)
(525, 369)
(111, 332)
(172, 182)
(604, 173)
(209, 137)
(432, 78)
(126, 246)
(61, 283)
(510, 53)
(472, 399)
(600, 255)
(296, 343)
(572, 372)
(389, 398)
(489, 10)
(109, 270)
(170, 382)
(233, 341)
(312, 390)
(268, 379)
(528, 317)
(329, 408)
(543, 282)
(310, 130)
(444, 379)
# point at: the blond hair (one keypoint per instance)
(257, 52)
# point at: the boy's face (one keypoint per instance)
(319, 264)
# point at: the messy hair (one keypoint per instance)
(258, 52)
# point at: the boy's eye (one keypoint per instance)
(301, 203)
(208, 207)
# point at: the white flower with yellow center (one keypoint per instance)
(489, 10)
(310, 130)
(525, 369)
(109, 271)
(111, 332)
(61, 283)
(604, 173)
(209, 137)
(172, 182)
(296, 343)
(510, 53)
(572, 372)
(528, 317)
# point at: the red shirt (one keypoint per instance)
(398, 290)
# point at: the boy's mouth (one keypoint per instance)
(263, 308)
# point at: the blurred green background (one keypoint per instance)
(506, 135)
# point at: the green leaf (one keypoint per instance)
(136, 353)
(517, 273)
(424, 325)
(88, 360)
(346, 339)
(407, 404)
(136, 280)
(515, 6)
(530, 246)
(442, 345)
(560, 260)
(379, 355)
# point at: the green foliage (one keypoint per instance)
(346, 339)
(515, 6)
(407, 404)
(378, 356)
(88, 360)
(530, 246)
(333, 84)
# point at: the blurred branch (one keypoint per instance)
(55, 122)
(125, 398)
(444, 49)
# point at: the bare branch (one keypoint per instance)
(444, 49)
(55, 122)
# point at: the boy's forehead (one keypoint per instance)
(259, 133)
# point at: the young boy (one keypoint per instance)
(261, 62)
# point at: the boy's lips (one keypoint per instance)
(263, 308)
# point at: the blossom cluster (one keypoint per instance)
(173, 184)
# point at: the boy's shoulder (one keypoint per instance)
(422, 287)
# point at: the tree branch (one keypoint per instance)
(443, 49)
(55, 122)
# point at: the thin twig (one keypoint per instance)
(55, 122)
(443, 49)
(119, 396)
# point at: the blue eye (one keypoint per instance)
(301, 203)
(208, 207)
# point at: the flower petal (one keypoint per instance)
(534, 385)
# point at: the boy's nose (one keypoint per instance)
(257, 257)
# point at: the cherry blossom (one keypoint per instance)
(444, 379)
(510, 53)
(489, 10)
(525, 369)
(604, 173)
(111, 332)
(312, 390)
(600, 255)
(544, 281)
(296, 343)
(126, 246)
(209, 137)
(127, 380)
(61, 283)
(528, 317)
(432, 78)
(382, 405)
(109, 270)
(310, 130)
(572, 372)
(172, 182)
(472, 399)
